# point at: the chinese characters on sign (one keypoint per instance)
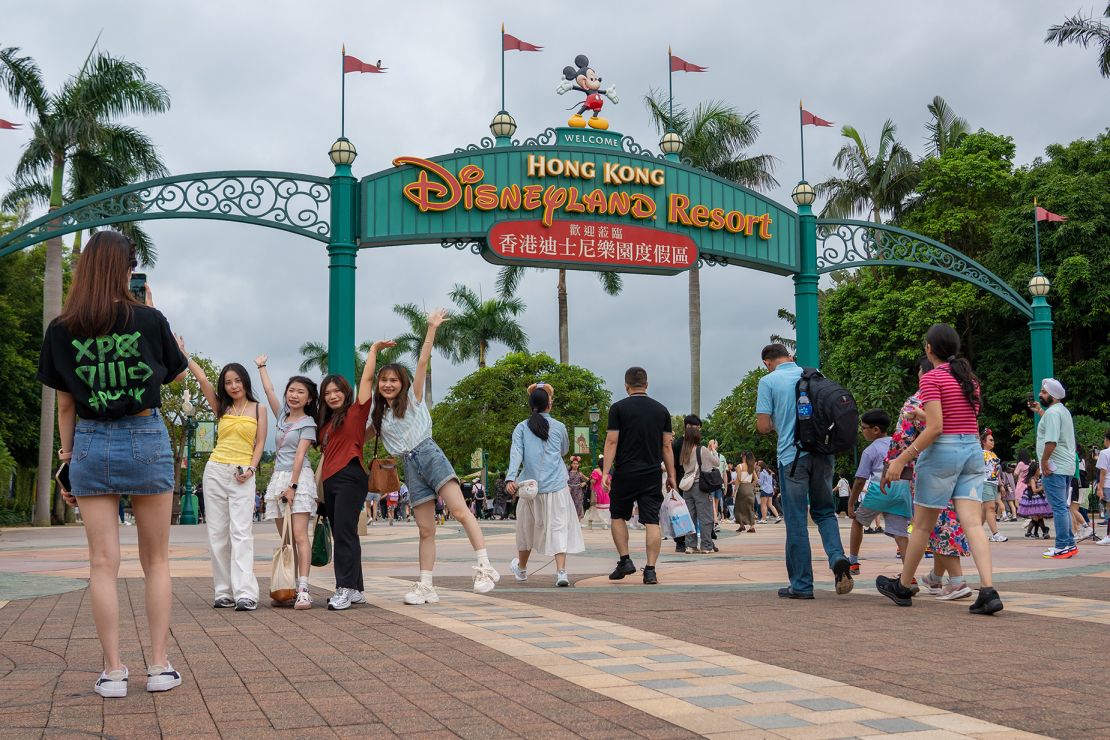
(592, 243)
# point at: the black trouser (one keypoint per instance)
(344, 496)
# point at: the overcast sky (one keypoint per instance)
(255, 85)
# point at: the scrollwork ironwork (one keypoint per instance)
(474, 245)
(486, 143)
(547, 137)
(846, 244)
(706, 260)
(628, 144)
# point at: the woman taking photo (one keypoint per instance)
(342, 430)
(949, 467)
(745, 493)
(229, 485)
(546, 520)
(107, 356)
(293, 483)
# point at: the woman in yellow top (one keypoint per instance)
(229, 484)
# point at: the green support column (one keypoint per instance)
(806, 280)
(342, 251)
(1040, 341)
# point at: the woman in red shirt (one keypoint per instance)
(949, 467)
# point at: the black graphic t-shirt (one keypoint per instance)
(115, 375)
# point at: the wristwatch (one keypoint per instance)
(293, 486)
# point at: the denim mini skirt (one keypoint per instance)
(129, 456)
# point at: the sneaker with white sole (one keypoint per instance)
(162, 678)
(1084, 532)
(931, 583)
(485, 578)
(998, 537)
(112, 684)
(245, 605)
(421, 594)
(1061, 553)
(304, 600)
(521, 574)
(1104, 541)
(953, 591)
(561, 578)
(340, 600)
(357, 597)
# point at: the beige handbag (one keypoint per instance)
(363, 518)
(283, 577)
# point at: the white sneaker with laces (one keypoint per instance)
(931, 583)
(954, 591)
(521, 574)
(304, 600)
(1084, 532)
(357, 597)
(112, 684)
(421, 594)
(1104, 541)
(485, 577)
(340, 600)
(162, 678)
(561, 579)
(998, 537)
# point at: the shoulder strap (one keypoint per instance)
(697, 453)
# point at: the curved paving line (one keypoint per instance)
(28, 586)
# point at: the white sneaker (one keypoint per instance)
(1104, 541)
(561, 578)
(421, 594)
(760, 521)
(162, 678)
(304, 600)
(112, 684)
(998, 537)
(521, 574)
(357, 597)
(484, 578)
(340, 600)
(954, 591)
(1084, 532)
(931, 583)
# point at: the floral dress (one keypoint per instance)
(576, 482)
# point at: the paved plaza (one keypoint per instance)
(711, 651)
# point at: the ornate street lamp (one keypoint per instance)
(342, 151)
(671, 143)
(595, 416)
(188, 502)
(503, 126)
(803, 194)
(1039, 285)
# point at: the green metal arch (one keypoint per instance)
(279, 200)
(843, 244)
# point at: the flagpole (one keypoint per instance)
(802, 138)
(343, 91)
(1037, 234)
(502, 66)
(670, 84)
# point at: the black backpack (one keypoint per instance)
(708, 481)
(832, 428)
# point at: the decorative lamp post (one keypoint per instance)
(595, 416)
(342, 254)
(503, 126)
(1040, 330)
(342, 152)
(807, 278)
(188, 500)
(671, 145)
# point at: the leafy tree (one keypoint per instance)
(479, 322)
(482, 409)
(790, 318)
(875, 182)
(1084, 31)
(81, 117)
(732, 423)
(315, 355)
(173, 412)
(20, 340)
(715, 138)
(508, 280)
(946, 130)
(410, 343)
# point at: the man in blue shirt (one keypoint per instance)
(806, 486)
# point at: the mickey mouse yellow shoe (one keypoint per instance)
(598, 123)
(577, 121)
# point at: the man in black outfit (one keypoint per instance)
(637, 442)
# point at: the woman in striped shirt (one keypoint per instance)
(949, 467)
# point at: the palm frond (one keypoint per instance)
(35, 193)
(21, 77)
(508, 279)
(611, 282)
(111, 87)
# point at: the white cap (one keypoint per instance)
(1054, 387)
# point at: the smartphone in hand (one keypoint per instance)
(138, 286)
(62, 477)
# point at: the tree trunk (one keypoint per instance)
(428, 385)
(481, 355)
(51, 307)
(695, 341)
(564, 329)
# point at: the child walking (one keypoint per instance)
(400, 419)
(1034, 504)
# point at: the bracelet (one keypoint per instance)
(65, 454)
(914, 447)
(261, 366)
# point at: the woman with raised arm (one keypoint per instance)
(107, 356)
(342, 429)
(293, 483)
(402, 421)
(229, 484)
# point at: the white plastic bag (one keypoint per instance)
(674, 517)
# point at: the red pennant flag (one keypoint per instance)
(808, 119)
(679, 64)
(354, 64)
(9, 124)
(1043, 215)
(512, 43)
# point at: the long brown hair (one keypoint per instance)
(326, 412)
(100, 286)
(400, 404)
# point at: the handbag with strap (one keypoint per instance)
(321, 542)
(709, 480)
(283, 576)
(383, 476)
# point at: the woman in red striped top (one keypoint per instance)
(949, 467)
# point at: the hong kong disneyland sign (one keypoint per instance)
(580, 199)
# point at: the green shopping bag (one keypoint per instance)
(321, 543)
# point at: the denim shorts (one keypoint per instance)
(949, 468)
(990, 491)
(122, 456)
(427, 469)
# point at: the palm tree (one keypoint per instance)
(479, 322)
(1083, 31)
(788, 317)
(508, 279)
(715, 138)
(315, 355)
(411, 342)
(875, 182)
(946, 130)
(80, 116)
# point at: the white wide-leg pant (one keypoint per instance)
(229, 512)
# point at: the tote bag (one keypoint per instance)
(283, 575)
(321, 543)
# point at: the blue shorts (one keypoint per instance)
(123, 456)
(950, 468)
(427, 469)
(990, 491)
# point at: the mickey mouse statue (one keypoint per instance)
(583, 78)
